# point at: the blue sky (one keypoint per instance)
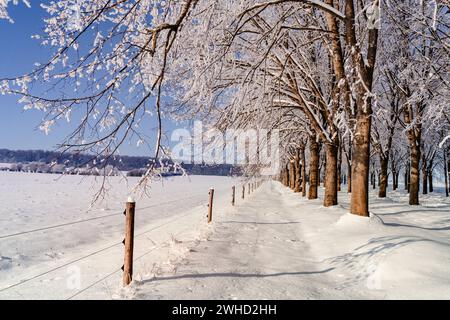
(18, 53)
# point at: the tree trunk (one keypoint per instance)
(414, 176)
(303, 158)
(394, 180)
(349, 167)
(407, 174)
(297, 167)
(286, 175)
(408, 186)
(395, 177)
(313, 168)
(291, 174)
(424, 176)
(360, 165)
(383, 177)
(331, 177)
(446, 173)
(430, 181)
(374, 186)
(430, 176)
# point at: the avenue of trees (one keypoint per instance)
(358, 89)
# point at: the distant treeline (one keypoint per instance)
(123, 163)
(55, 162)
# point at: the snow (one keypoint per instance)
(33, 201)
(274, 244)
(280, 246)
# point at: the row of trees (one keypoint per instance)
(41, 161)
(356, 79)
(41, 167)
(410, 105)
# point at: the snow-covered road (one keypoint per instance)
(256, 252)
(276, 245)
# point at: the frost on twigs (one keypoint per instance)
(4, 8)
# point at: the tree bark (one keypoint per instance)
(313, 168)
(414, 176)
(397, 179)
(349, 166)
(394, 181)
(374, 180)
(331, 177)
(302, 154)
(424, 175)
(430, 181)
(286, 176)
(407, 177)
(430, 176)
(384, 162)
(297, 166)
(291, 174)
(360, 166)
(446, 173)
(396, 176)
(323, 172)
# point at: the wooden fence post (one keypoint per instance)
(210, 204)
(233, 192)
(243, 191)
(249, 188)
(129, 242)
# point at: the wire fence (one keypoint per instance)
(93, 218)
(96, 252)
(117, 270)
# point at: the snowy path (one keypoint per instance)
(276, 245)
(257, 251)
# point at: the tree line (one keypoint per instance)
(355, 86)
(41, 161)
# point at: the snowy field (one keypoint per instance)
(272, 245)
(38, 263)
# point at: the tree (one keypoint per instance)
(306, 68)
(387, 114)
